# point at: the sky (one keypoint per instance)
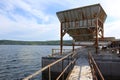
(36, 20)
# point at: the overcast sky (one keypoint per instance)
(36, 20)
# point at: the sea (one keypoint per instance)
(19, 61)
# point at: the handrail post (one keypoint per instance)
(71, 60)
(62, 69)
(49, 73)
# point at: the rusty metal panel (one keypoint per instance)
(79, 24)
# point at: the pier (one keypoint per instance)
(96, 59)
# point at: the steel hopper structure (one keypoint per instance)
(83, 23)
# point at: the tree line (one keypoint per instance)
(52, 42)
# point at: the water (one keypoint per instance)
(19, 61)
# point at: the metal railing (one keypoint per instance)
(97, 75)
(57, 51)
(71, 57)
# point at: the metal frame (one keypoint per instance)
(58, 51)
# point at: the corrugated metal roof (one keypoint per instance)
(82, 13)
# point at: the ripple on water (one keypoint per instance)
(18, 61)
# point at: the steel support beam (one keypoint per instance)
(73, 45)
(61, 39)
(96, 42)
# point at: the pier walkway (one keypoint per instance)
(72, 66)
(81, 70)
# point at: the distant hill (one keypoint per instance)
(54, 42)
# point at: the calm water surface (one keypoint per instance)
(18, 61)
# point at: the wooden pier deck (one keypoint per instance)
(81, 70)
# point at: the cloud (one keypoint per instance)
(112, 8)
(37, 20)
(17, 26)
(112, 29)
(26, 29)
